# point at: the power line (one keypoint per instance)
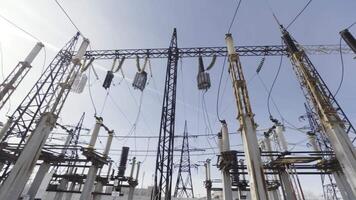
(234, 17)
(272, 86)
(351, 25)
(70, 19)
(296, 17)
(223, 68)
(342, 71)
(18, 27)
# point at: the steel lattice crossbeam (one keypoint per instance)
(267, 50)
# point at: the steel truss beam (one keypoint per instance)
(267, 50)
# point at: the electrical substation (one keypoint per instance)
(172, 154)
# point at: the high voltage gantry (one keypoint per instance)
(37, 114)
(267, 50)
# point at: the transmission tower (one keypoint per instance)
(37, 115)
(329, 115)
(184, 186)
(164, 160)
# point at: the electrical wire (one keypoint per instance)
(18, 27)
(70, 19)
(223, 68)
(342, 70)
(300, 12)
(89, 88)
(351, 25)
(207, 121)
(234, 17)
(219, 87)
(272, 86)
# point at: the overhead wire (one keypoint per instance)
(70, 19)
(342, 70)
(300, 12)
(234, 17)
(223, 68)
(20, 28)
(272, 86)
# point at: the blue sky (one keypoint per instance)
(111, 24)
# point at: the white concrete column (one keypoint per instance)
(225, 146)
(287, 185)
(20, 173)
(89, 183)
(343, 186)
(41, 173)
(98, 189)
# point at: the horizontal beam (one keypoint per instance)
(267, 50)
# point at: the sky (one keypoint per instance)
(110, 24)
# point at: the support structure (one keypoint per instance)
(40, 99)
(13, 186)
(207, 183)
(184, 185)
(11, 82)
(334, 122)
(164, 161)
(247, 124)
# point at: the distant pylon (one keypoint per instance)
(184, 186)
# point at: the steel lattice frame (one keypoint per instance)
(42, 96)
(267, 50)
(164, 160)
(184, 185)
(327, 95)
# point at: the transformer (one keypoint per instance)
(108, 79)
(140, 80)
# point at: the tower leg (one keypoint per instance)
(287, 185)
(89, 183)
(19, 175)
(343, 186)
(42, 171)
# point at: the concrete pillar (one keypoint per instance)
(41, 173)
(287, 185)
(207, 179)
(343, 186)
(225, 146)
(98, 189)
(89, 183)
(20, 173)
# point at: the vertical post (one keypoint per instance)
(17, 75)
(247, 124)
(20, 173)
(225, 147)
(273, 193)
(89, 183)
(208, 183)
(284, 175)
(42, 171)
(108, 143)
(93, 170)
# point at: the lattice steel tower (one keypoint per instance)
(164, 160)
(184, 186)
